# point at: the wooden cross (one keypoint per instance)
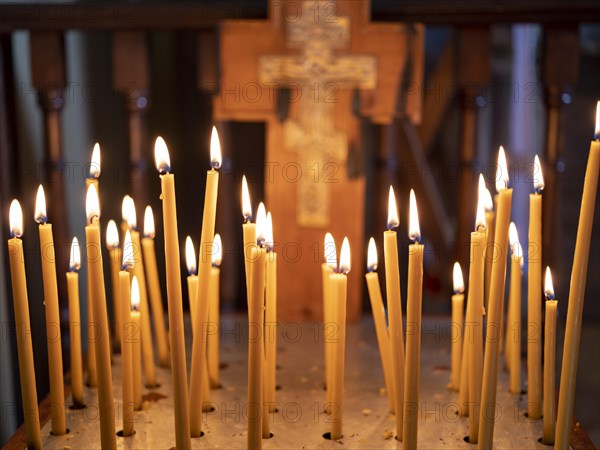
(322, 52)
(317, 73)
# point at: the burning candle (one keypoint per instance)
(92, 332)
(414, 296)
(495, 307)
(458, 300)
(75, 325)
(53, 338)
(392, 285)
(566, 398)
(213, 314)
(198, 374)
(154, 287)
(513, 330)
(339, 287)
(98, 302)
(192, 282)
(174, 297)
(133, 326)
(255, 330)
(138, 271)
(249, 231)
(549, 362)
(128, 338)
(329, 327)
(192, 279)
(490, 227)
(381, 330)
(270, 317)
(23, 328)
(534, 296)
(474, 336)
(115, 254)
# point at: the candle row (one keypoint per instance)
(136, 291)
(260, 261)
(401, 368)
(477, 389)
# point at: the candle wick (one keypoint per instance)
(214, 165)
(42, 220)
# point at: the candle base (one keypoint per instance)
(300, 420)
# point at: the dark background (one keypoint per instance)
(512, 114)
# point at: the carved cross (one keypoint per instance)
(317, 74)
(328, 54)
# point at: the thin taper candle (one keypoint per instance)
(174, 297)
(568, 376)
(339, 286)
(381, 330)
(197, 377)
(75, 325)
(23, 328)
(155, 295)
(53, 334)
(98, 302)
(392, 285)
(458, 300)
(495, 307)
(127, 342)
(473, 334)
(534, 297)
(414, 298)
(549, 362)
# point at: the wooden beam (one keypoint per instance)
(560, 70)
(112, 15)
(439, 95)
(131, 74)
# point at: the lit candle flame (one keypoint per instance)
(458, 281)
(481, 198)
(217, 254)
(161, 156)
(538, 180)
(112, 235)
(597, 130)
(345, 257)
(149, 230)
(40, 206)
(124, 206)
(128, 252)
(269, 242)
(15, 219)
(393, 220)
(135, 294)
(513, 239)
(501, 171)
(488, 201)
(215, 149)
(261, 224)
(246, 204)
(129, 213)
(372, 256)
(92, 204)
(330, 252)
(190, 256)
(75, 256)
(95, 166)
(414, 231)
(548, 286)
